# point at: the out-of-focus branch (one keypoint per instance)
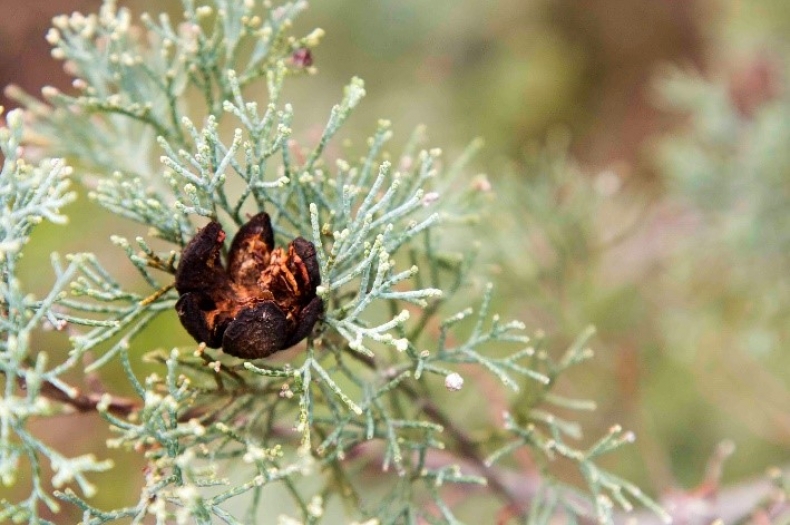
(700, 506)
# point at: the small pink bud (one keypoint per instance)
(302, 58)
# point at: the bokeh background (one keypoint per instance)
(638, 152)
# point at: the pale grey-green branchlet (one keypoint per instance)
(166, 130)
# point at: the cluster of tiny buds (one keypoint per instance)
(255, 453)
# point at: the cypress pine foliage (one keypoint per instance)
(162, 131)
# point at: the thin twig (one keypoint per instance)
(82, 402)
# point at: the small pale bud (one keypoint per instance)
(430, 198)
(607, 183)
(53, 36)
(49, 91)
(481, 184)
(453, 382)
(314, 37)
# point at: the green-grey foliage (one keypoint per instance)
(730, 166)
(147, 130)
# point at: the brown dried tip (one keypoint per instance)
(263, 302)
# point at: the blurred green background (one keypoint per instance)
(640, 177)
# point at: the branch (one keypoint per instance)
(85, 402)
(696, 507)
(518, 489)
(466, 445)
